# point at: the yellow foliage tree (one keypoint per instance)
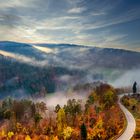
(61, 120)
(2, 133)
(67, 132)
(98, 131)
(28, 137)
(10, 134)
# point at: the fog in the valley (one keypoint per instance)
(127, 79)
(61, 98)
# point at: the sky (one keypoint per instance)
(101, 23)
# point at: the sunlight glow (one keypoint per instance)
(44, 49)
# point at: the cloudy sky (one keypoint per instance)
(102, 23)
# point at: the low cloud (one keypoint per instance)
(61, 98)
(127, 79)
(24, 59)
(44, 49)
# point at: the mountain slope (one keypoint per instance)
(75, 55)
(52, 67)
(94, 57)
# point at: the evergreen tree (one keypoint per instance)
(135, 87)
(83, 132)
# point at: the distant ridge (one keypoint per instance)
(13, 44)
(61, 45)
(78, 56)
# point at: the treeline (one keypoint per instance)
(96, 118)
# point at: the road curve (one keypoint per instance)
(131, 124)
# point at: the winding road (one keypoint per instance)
(131, 124)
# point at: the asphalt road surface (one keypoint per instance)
(131, 124)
